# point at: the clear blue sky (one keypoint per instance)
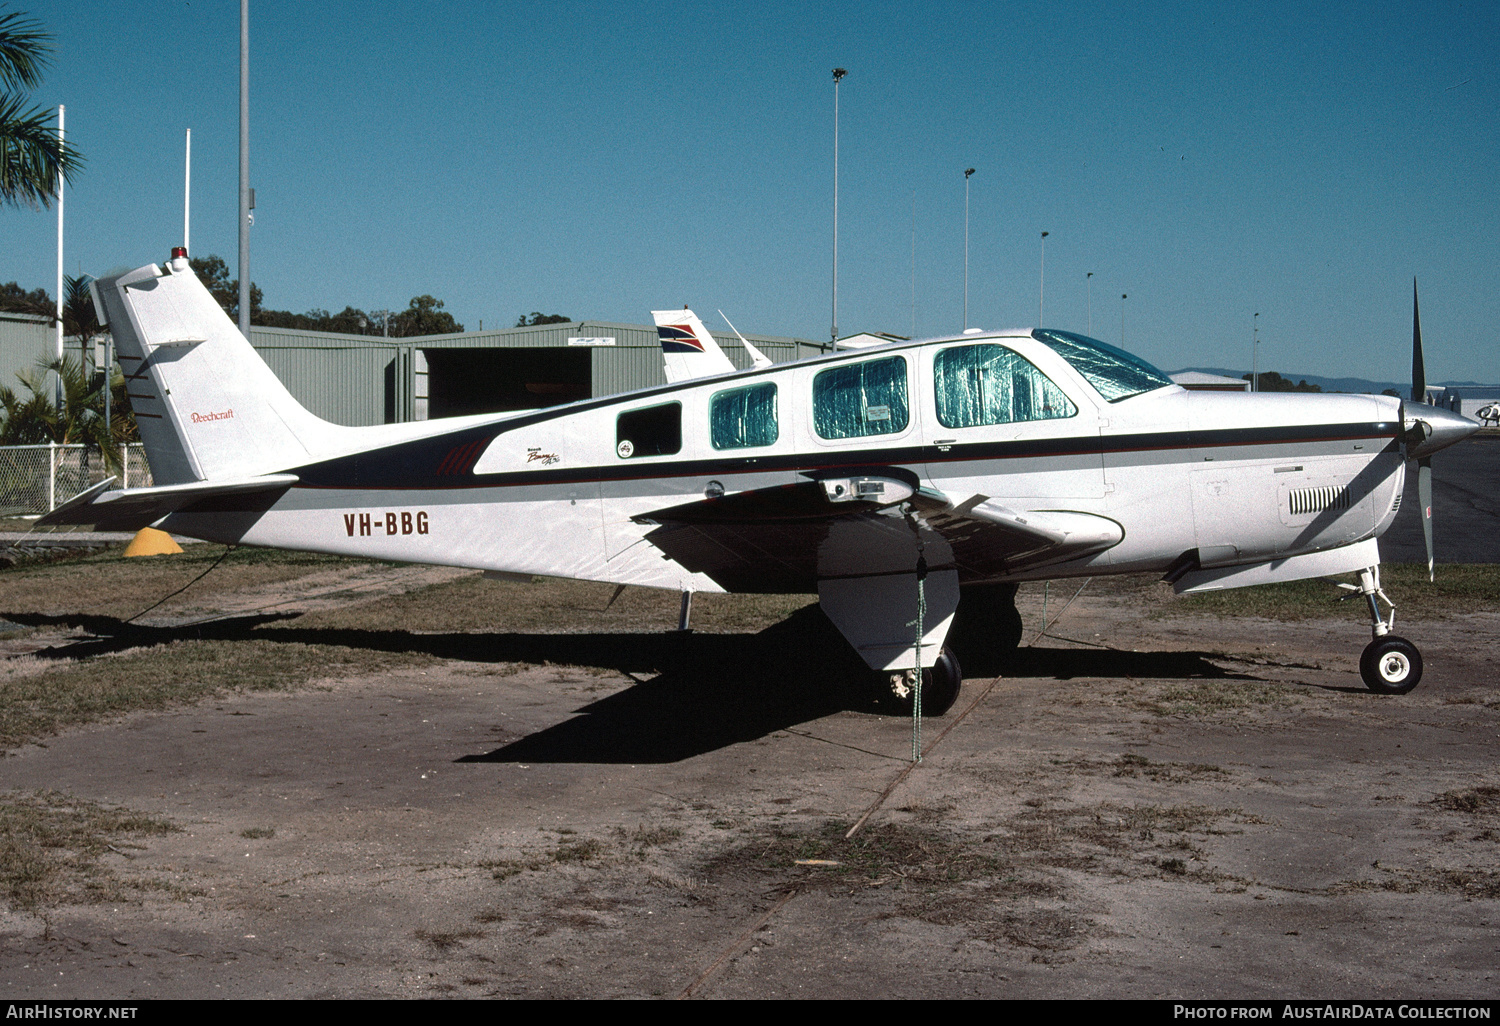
(1303, 160)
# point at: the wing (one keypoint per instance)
(864, 524)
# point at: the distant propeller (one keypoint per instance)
(1419, 395)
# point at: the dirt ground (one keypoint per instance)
(1137, 807)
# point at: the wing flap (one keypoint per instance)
(790, 537)
(130, 509)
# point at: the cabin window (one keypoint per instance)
(990, 384)
(652, 431)
(743, 417)
(1115, 373)
(860, 399)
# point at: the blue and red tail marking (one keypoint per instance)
(678, 338)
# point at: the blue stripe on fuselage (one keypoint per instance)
(419, 464)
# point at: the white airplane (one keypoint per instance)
(902, 483)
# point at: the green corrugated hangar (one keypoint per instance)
(359, 379)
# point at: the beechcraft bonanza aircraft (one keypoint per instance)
(901, 483)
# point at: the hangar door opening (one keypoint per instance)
(490, 380)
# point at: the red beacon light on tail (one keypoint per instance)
(179, 258)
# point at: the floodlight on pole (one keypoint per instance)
(838, 73)
(967, 174)
(1041, 287)
(1122, 320)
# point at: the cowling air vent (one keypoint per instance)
(1316, 500)
(1396, 506)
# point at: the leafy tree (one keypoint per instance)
(14, 299)
(540, 318)
(214, 274)
(425, 316)
(30, 154)
(348, 321)
(1270, 381)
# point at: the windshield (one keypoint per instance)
(1114, 372)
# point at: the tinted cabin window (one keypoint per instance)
(990, 384)
(861, 399)
(743, 417)
(1114, 372)
(653, 431)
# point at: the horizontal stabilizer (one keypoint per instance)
(130, 509)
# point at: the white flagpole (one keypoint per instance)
(187, 194)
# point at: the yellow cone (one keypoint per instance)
(148, 541)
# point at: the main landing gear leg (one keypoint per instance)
(1389, 665)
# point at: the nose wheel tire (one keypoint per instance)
(1390, 665)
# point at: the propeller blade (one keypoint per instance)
(1424, 496)
(1418, 369)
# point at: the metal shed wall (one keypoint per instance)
(24, 341)
(359, 380)
(341, 378)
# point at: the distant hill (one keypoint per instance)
(1326, 384)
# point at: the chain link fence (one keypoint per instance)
(36, 479)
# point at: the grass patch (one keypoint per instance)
(1211, 697)
(1459, 589)
(35, 705)
(549, 605)
(258, 833)
(448, 941)
(51, 844)
(108, 584)
(568, 852)
(887, 850)
(1473, 799)
(1132, 765)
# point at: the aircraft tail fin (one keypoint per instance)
(207, 406)
(687, 349)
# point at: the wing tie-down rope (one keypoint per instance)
(919, 622)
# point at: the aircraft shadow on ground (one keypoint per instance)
(705, 692)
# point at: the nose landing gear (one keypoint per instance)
(1389, 665)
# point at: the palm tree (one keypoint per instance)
(35, 419)
(80, 319)
(31, 156)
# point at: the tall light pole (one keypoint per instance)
(1088, 288)
(60, 183)
(967, 173)
(245, 168)
(1041, 285)
(838, 73)
(1255, 353)
(1122, 320)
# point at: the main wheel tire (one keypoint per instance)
(1390, 665)
(987, 628)
(941, 684)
